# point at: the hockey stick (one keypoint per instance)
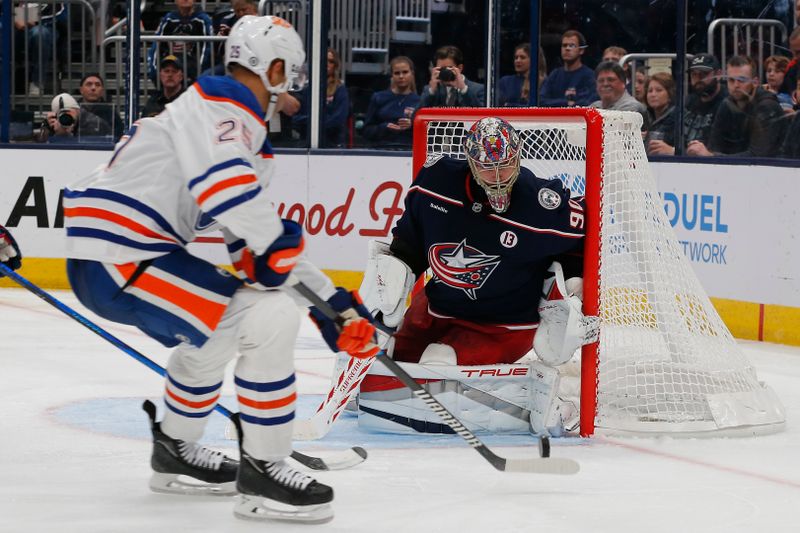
(345, 388)
(346, 459)
(540, 465)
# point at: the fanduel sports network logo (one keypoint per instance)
(461, 266)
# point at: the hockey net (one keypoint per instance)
(665, 363)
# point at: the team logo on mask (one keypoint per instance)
(461, 266)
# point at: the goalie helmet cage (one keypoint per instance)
(665, 363)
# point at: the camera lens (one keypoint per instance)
(65, 119)
(446, 74)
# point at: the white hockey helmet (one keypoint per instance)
(493, 145)
(256, 42)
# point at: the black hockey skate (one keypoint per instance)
(276, 491)
(181, 467)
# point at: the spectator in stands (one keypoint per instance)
(572, 84)
(705, 96)
(448, 87)
(542, 68)
(514, 89)
(614, 53)
(639, 83)
(337, 106)
(221, 23)
(660, 138)
(67, 122)
(791, 144)
(748, 122)
(611, 88)
(93, 99)
(775, 71)
(171, 77)
(791, 78)
(37, 25)
(184, 21)
(388, 120)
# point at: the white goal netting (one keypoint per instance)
(666, 363)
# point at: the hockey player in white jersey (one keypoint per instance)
(204, 163)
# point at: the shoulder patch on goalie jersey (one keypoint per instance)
(549, 199)
(432, 159)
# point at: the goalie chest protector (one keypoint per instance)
(487, 267)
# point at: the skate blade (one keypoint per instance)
(178, 484)
(258, 508)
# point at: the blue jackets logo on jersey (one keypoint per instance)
(461, 266)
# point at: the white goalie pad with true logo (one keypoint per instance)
(502, 398)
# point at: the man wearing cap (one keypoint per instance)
(748, 122)
(171, 76)
(707, 93)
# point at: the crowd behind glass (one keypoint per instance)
(730, 110)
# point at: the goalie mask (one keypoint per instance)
(256, 43)
(493, 149)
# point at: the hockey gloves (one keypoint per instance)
(9, 251)
(273, 266)
(355, 335)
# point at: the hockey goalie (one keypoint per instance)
(504, 250)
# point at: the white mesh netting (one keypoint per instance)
(666, 361)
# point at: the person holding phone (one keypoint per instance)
(448, 86)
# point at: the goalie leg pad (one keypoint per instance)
(468, 392)
(550, 415)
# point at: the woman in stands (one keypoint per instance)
(337, 107)
(515, 89)
(660, 95)
(390, 112)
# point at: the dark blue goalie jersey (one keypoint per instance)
(487, 267)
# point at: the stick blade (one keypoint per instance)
(333, 461)
(541, 465)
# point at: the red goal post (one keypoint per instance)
(665, 363)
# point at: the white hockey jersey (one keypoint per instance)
(203, 163)
(205, 158)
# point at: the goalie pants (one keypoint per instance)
(182, 300)
(474, 343)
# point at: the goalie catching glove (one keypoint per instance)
(273, 266)
(355, 335)
(387, 282)
(562, 326)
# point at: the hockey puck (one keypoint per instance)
(544, 446)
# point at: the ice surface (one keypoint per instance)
(75, 455)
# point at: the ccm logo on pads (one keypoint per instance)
(496, 372)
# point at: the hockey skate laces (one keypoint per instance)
(201, 456)
(286, 475)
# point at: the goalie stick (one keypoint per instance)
(540, 465)
(334, 461)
